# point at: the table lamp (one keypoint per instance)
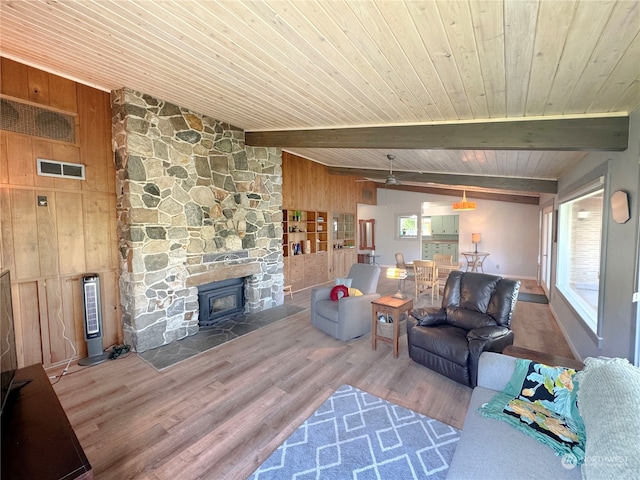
(400, 274)
(475, 239)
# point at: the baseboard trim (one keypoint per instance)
(564, 332)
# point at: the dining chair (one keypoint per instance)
(425, 276)
(400, 263)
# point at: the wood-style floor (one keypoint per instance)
(220, 414)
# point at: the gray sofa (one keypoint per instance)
(491, 449)
(349, 317)
(608, 390)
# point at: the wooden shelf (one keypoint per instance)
(305, 232)
(305, 228)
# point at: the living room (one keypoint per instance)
(49, 270)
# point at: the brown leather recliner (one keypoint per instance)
(475, 317)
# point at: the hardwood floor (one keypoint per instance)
(221, 413)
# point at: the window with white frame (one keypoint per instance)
(426, 226)
(407, 226)
(579, 251)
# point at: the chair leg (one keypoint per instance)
(287, 289)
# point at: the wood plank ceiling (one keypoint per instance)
(305, 64)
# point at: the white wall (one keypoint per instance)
(510, 231)
(620, 323)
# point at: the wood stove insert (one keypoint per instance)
(220, 301)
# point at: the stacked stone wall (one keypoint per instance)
(191, 198)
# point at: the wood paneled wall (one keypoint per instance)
(307, 185)
(49, 248)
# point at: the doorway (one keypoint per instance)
(546, 249)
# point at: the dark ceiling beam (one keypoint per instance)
(497, 183)
(498, 197)
(575, 134)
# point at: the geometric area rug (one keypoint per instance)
(356, 435)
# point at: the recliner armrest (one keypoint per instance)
(487, 333)
(429, 316)
(493, 338)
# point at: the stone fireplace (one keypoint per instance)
(195, 206)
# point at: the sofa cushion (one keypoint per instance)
(492, 450)
(540, 401)
(608, 391)
(444, 341)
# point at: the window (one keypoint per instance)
(579, 242)
(407, 226)
(426, 226)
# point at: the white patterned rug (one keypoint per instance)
(356, 435)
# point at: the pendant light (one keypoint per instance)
(464, 205)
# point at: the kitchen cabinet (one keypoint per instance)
(429, 249)
(444, 225)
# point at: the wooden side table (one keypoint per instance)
(394, 307)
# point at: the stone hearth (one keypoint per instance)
(195, 205)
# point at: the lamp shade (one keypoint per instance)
(399, 273)
(464, 205)
(475, 238)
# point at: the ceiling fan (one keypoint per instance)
(391, 178)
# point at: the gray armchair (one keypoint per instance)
(349, 317)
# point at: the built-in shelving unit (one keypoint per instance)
(305, 248)
(304, 232)
(344, 230)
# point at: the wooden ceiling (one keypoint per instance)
(305, 64)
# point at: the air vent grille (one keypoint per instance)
(36, 121)
(91, 309)
(53, 168)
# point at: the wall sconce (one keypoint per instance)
(401, 275)
(475, 239)
(583, 214)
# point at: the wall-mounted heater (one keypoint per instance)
(92, 320)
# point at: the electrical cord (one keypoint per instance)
(117, 351)
(59, 297)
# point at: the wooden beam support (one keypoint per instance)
(563, 134)
(498, 197)
(498, 183)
